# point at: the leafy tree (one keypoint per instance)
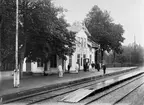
(7, 30)
(132, 54)
(48, 33)
(103, 31)
(42, 30)
(137, 54)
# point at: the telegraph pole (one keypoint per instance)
(16, 71)
(1, 19)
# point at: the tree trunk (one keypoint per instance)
(45, 67)
(21, 64)
(25, 27)
(21, 69)
(23, 50)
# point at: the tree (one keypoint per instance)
(41, 26)
(132, 54)
(7, 28)
(103, 31)
(47, 29)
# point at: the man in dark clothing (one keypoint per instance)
(69, 67)
(98, 66)
(84, 66)
(104, 68)
(87, 66)
(93, 66)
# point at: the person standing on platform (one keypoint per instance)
(87, 66)
(93, 66)
(69, 66)
(104, 68)
(98, 66)
(84, 66)
(60, 70)
(77, 68)
(90, 67)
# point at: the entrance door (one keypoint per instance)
(53, 61)
(28, 66)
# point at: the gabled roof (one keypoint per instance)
(77, 26)
(92, 44)
(86, 30)
(95, 45)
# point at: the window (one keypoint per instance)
(39, 62)
(81, 61)
(90, 58)
(84, 58)
(78, 58)
(53, 61)
(78, 39)
(81, 42)
(70, 60)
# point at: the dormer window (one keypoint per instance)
(81, 42)
(78, 42)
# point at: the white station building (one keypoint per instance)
(85, 49)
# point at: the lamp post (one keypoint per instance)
(16, 71)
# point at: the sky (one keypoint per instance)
(129, 13)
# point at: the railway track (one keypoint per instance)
(115, 95)
(57, 94)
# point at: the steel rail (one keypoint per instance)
(93, 100)
(128, 94)
(45, 98)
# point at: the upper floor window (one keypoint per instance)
(78, 39)
(81, 42)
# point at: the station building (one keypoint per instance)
(85, 50)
